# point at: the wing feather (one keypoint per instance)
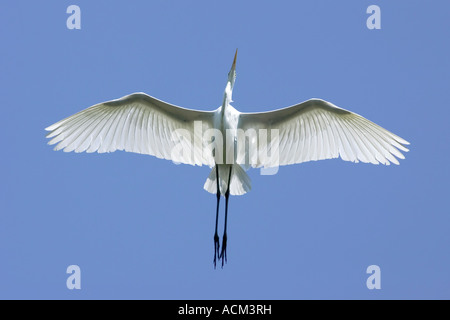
(135, 123)
(316, 130)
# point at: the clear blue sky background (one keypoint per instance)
(141, 227)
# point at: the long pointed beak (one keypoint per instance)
(233, 66)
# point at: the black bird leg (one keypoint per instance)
(216, 236)
(223, 254)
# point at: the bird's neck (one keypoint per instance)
(227, 97)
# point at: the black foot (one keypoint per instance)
(216, 249)
(223, 253)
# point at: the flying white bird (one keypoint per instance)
(311, 130)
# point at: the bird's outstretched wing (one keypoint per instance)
(135, 123)
(316, 130)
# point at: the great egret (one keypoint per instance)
(311, 130)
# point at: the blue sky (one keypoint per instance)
(141, 227)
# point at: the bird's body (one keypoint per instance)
(226, 122)
(225, 139)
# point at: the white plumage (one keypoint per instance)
(309, 131)
(317, 130)
(135, 123)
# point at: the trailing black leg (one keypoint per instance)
(216, 236)
(223, 254)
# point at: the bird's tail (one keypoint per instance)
(240, 181)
